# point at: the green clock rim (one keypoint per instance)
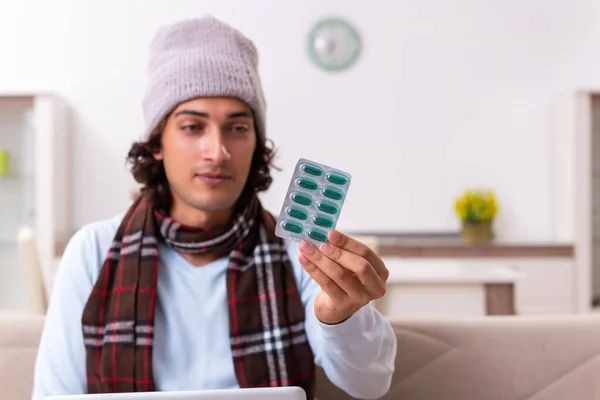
(351, 29)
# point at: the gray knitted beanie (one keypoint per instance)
(201, 57)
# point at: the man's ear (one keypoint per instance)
(158, 156)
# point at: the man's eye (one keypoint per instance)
(192, 128)
(240, 128)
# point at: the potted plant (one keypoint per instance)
(477, 210)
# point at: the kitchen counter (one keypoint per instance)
(462, 250)
(452, 246)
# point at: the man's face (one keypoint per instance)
(208, 144)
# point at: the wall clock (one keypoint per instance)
(334, 44)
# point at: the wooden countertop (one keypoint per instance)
(461, 250)
(450, 246)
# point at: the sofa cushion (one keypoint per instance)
(494, 358)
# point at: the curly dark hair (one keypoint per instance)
(151, 172)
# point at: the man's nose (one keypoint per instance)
(214, 147)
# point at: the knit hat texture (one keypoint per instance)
(201, 57)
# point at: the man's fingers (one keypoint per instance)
(354, 246)
(344, 278)
(359, 266)
(326, 283)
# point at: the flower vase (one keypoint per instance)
(477, 231)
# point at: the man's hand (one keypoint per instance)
(350, 275)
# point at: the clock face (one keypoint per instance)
(334, 44)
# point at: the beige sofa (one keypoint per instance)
(501, 358)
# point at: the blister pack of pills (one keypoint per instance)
(313, 202)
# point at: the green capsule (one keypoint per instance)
(291, 226)
(322, 221)
(296, 213)
(336, 178)
(317, 235)
(332, 193)
(307, 184)
(301, 199)
(311, 169)
(327, 207)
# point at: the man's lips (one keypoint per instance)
(213, 178)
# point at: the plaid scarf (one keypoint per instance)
(266, 315)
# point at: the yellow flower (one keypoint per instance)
(477, 205)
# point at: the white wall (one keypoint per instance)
(446, 95)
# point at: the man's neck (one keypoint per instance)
(200, 219)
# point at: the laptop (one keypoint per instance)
(272, 393)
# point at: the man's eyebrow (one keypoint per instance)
(192, 112)
(238, 114)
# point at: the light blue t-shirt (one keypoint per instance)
(191, 344)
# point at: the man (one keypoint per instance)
(190, 288)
